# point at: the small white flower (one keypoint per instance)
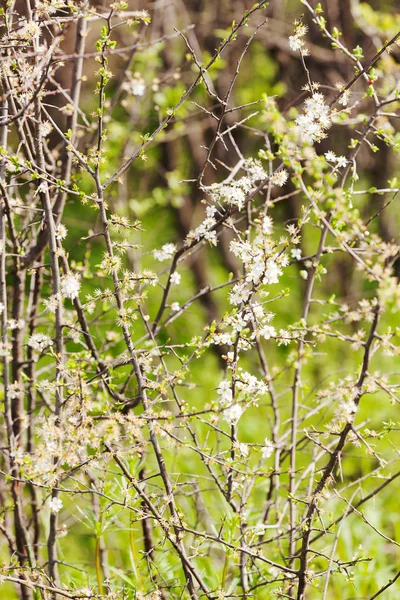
(243, 449)
(222, 339)
(346, 411)
(175, 306)
(210, 211)
(51, 303)
(176, 278)
(40, 341)
(15, 390)
(233, 414)
(285, 338)
(341, 161)
(256, 171)
(315, 120)
(70, 286)
(5, 349)
(267, 225)
(330, 156)
(295, 43)
(167, 251)
(239, 294)
(50, 6)
(267, 449)
(344, 98)
(296, 253)
(233, 194)
(55, 505)
(258, 311)
(61, 232)
(29, 30)
(111, 264)
(225, 392)
(138, 87)
(15, 324)
(268, 332)
(272, 273)
(280, 177)
(211, 237)
(256, 271)
(45, 128)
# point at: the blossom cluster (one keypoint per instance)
(316, 119)
(296, 41)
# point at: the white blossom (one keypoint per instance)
(268, 332)
(258, 311)
(110, 263)
(138, 87)
(315, 120)
(232, 414)
(295, 43)
(267, 449)
(55, 505)
(280, 177)
(15, 390)
(255, 170)
(70, 286)
(284, 338)
(296, 253)
(205, 229)
(211, 237)
(272, 273)
(40, 341)
(250, 385)
(175, 278)
(5, 348)
(29, 30)
(61, 232)
(167, 251)
(340, 161)
(222, 339)
(267, 225)
(345, 94)
(211, 210)
(256, 271)
(243, 449)
(345, 412)
(225, 392)
(51, 303)
(239, 293)
(233, 195)
(330, 156)
(45, 128)
(50, 6)
(15, 324)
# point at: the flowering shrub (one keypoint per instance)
(199, 302)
